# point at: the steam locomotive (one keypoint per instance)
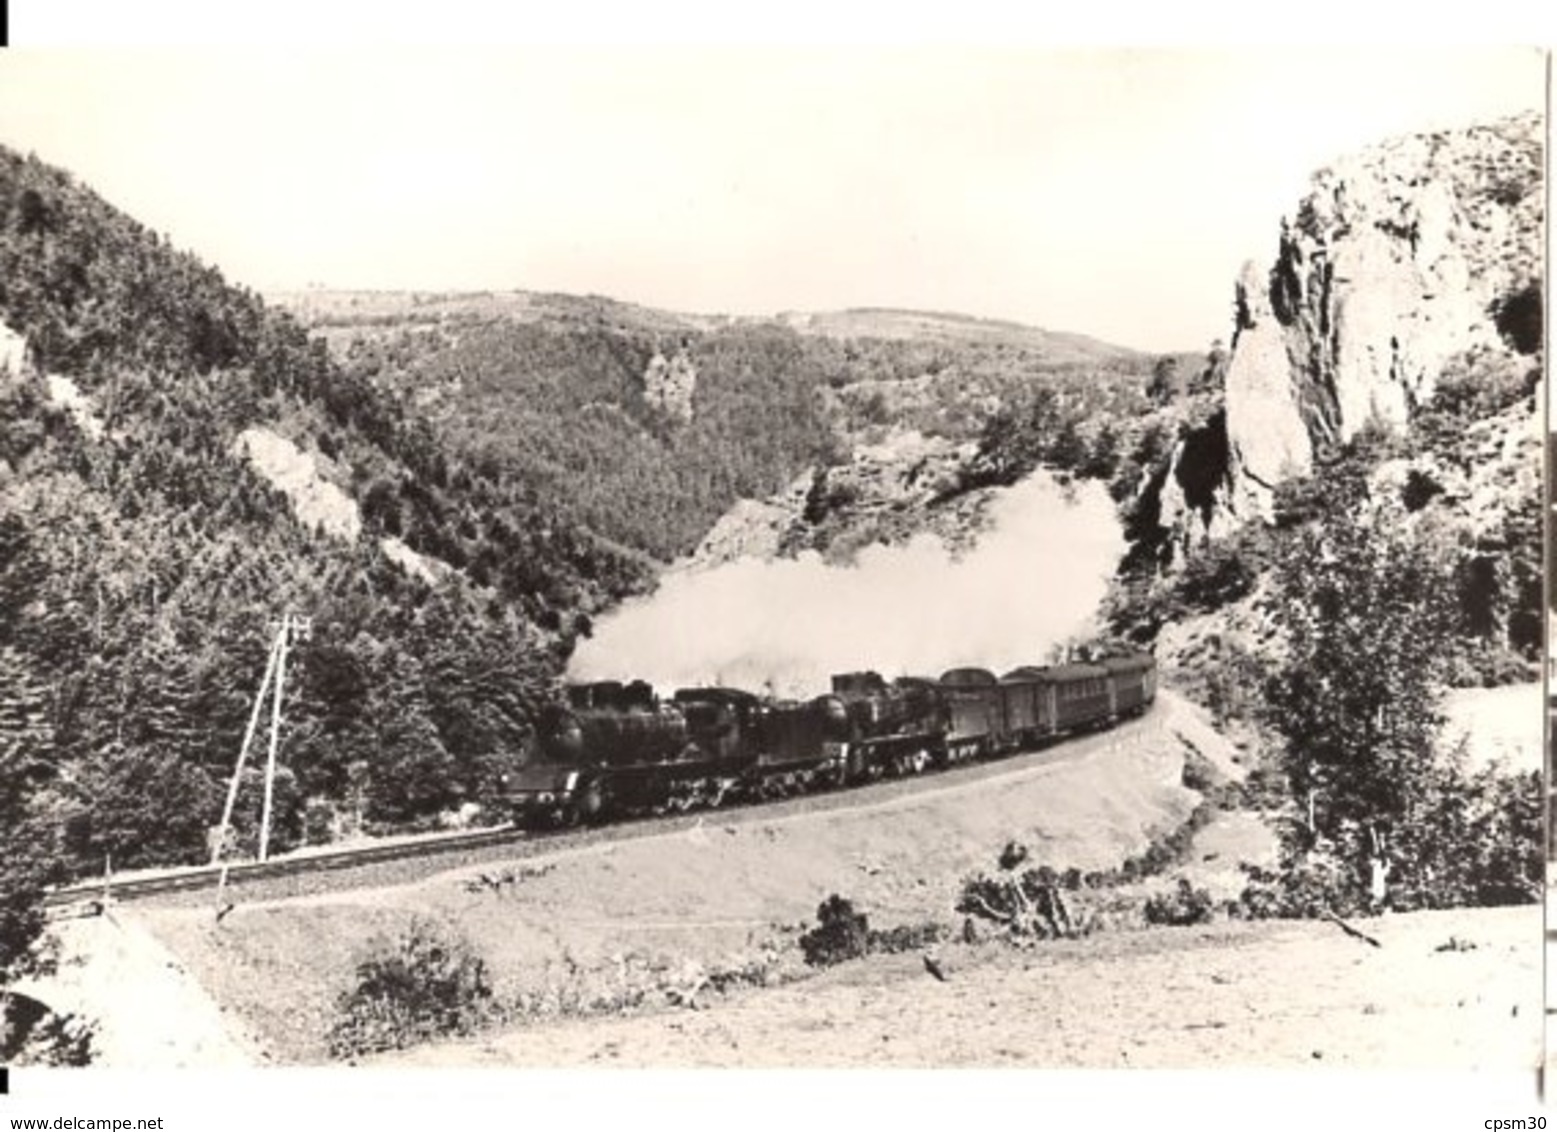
(617, 748)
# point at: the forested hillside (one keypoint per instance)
(571, 392)
(142, 556)
(449, 488)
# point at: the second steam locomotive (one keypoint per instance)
(618, 748)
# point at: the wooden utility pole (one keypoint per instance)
(289, 627)
(243, 754)
(301, 627)
(275, 736)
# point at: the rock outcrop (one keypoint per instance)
(315, 500)
(13, 352)
(886, 494)
(1405, 298)
(668, 384)
(1399, 261)
(67, 394)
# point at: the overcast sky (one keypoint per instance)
(1110, 193)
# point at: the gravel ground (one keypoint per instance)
(1274, 995)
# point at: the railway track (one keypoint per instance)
(289, 875)
(239, 872)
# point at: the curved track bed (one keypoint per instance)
(412, 861)
(579, 917)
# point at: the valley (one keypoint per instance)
(1325, 531)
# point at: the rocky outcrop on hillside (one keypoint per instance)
(1411, 259)
(1396, 336)
(885, 494)
(316, 501)
(13, 351)
(668, 384)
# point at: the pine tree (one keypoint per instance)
(412, 773)
(28, 861)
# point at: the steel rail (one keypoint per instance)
(301, 865)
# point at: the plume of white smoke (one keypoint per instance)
(1033, 580)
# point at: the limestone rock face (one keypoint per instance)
(13, 352)
(315, 500)
(886, 493)
(1268, 432)
(668, 384)
(1399, 260)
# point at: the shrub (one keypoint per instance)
(1214, 576)
(1519, 316)
(425, 985)
(1198, 773)
(1184, 906)
(841, 934)
(1419, 490)
(1264, 788)
(1012, 855)
(1164, 852)
(1473, 840)
(33, 1034)
(1306, 886)
(320, 821)
(1029, 905)
(905, 937)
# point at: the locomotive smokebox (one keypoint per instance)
(561, 737)
(834, 715)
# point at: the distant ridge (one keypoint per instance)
(324, 308)
(890, 322)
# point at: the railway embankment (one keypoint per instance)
(613, 925)
(146, 1010)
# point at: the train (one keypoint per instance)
(614, 748)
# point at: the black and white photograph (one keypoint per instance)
(537, 557)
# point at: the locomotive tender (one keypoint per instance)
(618, 748)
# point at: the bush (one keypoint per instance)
(1474, 840)
(1184, 906)
(841, 934)
(1198, 773)
(1265, 788)
(1012, 855)
(1470, 840)
(905, 937)
(320, 821)
(1030, 905)
(33, 1034)
(1166, 851)
(1306, 886)
(1214, 576)
(428, 984)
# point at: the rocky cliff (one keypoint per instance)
(886, 494)
(668, 384)
(1410, 260)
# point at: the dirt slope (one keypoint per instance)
(715, 896)
(149, 1012)
(1263, 995)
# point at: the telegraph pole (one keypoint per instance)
(290, 626)
(243, 755)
